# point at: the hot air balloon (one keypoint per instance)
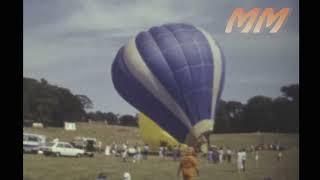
(153, 134)
(174, 74)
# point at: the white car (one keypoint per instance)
(33, 142)
(62, 149)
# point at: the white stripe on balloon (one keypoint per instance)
(143, 74)
(217, 60)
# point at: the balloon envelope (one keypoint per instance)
(174, 74)
(153, 134)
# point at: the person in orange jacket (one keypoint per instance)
(188, 165)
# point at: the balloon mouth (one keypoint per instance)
(199, 133)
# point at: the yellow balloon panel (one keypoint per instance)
(153, 134)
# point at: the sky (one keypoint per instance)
(73, 43)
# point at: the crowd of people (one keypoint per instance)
(188, 158)
(214, 155)
(141, 152)
(125, 151)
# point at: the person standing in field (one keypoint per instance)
(107, 150)
(175, 153)
(145, 151)
(113, 148)
(125, 155)
(215, 155)
(256, 158)
(165, 151)
(241, 157)
(124, 146)
(126, 176)
(229, 154)
(102, 176)
(279, 156)
(210, 155)
(138, 153)
(179, 151)
(244, 158)
(239, 161)
(188, 165)
(161, 152)
(220, 155)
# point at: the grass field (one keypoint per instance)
(39, 167)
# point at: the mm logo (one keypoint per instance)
(240, 16)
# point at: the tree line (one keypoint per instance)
(53, 105)
(261, 113)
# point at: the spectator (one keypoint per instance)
(188, 165)
(256, 156)
(107, 150)
(102, 176)
(220, 155)
(244, 158)
(125, 155)
(138, 153)
(175, 153)
(179, 151)
(145, 151)
(241, 159)
(252, 148)
(161, 151)
(215, 156)
(126, 176)
(124, 146)
(99, 146)
(165, 151)
(229, 154)
(279, 156)
(210, 155)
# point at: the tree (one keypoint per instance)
(128, 120)
(257, 114)
(85, 101)
(49, 104)
(291, 92)
(221, 118)
(234, 111)
(281, 111)
(111, 118)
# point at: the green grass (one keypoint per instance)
(39, 167)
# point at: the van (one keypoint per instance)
(33, 142)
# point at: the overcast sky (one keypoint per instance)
(73, 43)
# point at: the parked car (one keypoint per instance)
(89, 145)
(32, 143)
(62, 149)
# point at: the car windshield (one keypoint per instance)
(33, 138)
(50, 144)
(67, 146)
